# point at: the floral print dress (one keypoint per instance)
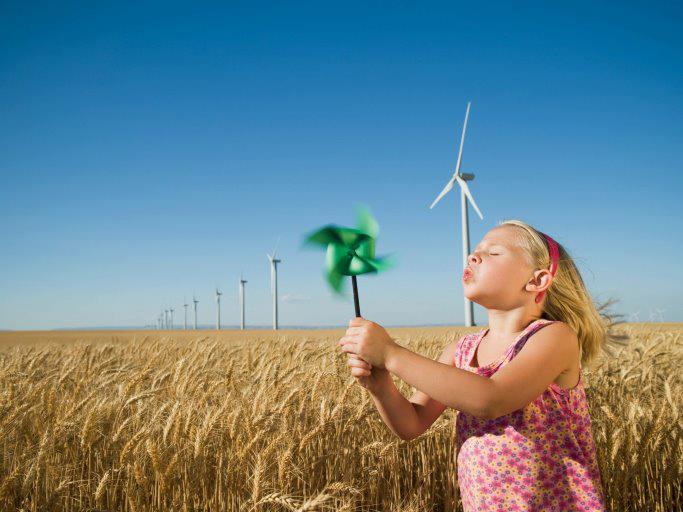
(538, 458)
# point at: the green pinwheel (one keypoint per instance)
(350, 251)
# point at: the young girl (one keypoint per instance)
(523, 434)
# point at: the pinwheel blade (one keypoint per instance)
(358, 266)
(336, 281)
(366, 222)
(366, 249)
(466, 189)
(338, 258)
(382, 264)
(445, 190)
(332, 234)
(323, 236)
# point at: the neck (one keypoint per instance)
(505, 324)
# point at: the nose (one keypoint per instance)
(472, 258)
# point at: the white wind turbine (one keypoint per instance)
(656, 315)
(273, 282)
(218, 309)
(171, 310)
(242, 283)
(194, 299)
(165, 318)
(185, 307)
(465, 195)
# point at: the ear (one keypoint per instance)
(540, 281)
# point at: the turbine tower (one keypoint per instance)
(273, 282)
(194, 299)
(218, 309)
(185, 307)
(465, 195)
(165, 318)
(242, 283)
(171, 310)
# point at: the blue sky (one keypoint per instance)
(149, 151)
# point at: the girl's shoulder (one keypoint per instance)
(556, 327)
(554, 332)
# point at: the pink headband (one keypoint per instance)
(554, 258)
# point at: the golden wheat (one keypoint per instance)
(259, 421)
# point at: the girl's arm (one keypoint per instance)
(409, 419)
(544, 356)
(447, 384)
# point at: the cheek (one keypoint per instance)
(501, 272)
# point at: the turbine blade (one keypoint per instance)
(445, 190)
(462, 139)
(466, 189)
(276, 244)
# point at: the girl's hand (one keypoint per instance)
(368, 340)
(372, 379)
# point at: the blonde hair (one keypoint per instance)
(567, 298)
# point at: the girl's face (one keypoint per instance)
(499, 271)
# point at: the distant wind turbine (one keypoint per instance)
(273, 282)
(171, 310)
(185, 307)
(218, 309)
(194, 299)
(242, 283)
(465, 195)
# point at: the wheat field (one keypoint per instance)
(265, 420)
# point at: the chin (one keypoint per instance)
(484, 300)
(472, 296)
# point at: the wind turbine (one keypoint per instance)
(171, 310)
(273, 282)
(218, 309)
(657, 314)
(242, 283)
(194, 299)
(465, 195)
(165, 318)
(185, 307)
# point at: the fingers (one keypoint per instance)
(351, 331)
(359, 368)
(360, 372)
(358, 363)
